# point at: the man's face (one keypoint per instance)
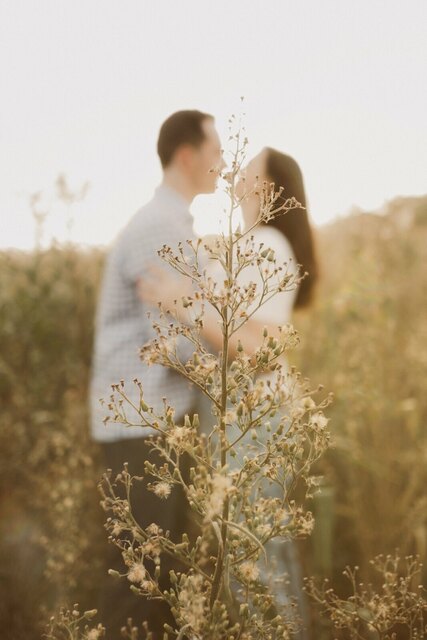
(207, 160)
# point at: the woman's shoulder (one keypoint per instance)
(274, 239)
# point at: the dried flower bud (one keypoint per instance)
(90, 614)
(114, 573)
(162, 489)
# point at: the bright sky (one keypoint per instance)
(86, 84)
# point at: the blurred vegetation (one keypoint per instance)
(49, 512)
(365, 339)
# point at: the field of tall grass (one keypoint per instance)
(364, 339)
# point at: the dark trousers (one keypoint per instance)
(116, 602)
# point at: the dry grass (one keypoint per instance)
(365, 339)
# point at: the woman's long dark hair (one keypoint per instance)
(285, 172)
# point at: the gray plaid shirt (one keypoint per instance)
(122, 326)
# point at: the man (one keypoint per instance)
(189, 148)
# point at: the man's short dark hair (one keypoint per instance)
(182, 127)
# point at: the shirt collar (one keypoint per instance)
(166, 192)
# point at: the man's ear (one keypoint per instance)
(184, 156)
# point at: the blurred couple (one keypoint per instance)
(190, 153)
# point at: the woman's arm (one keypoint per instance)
(249, 334)
(164, 288)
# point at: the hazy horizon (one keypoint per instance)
(338, 86)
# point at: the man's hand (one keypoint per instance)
(160, 285)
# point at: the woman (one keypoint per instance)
(290, 236)
(295, 238)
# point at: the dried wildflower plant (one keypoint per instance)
(397, 609)
(269, 426)
(73, 625)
